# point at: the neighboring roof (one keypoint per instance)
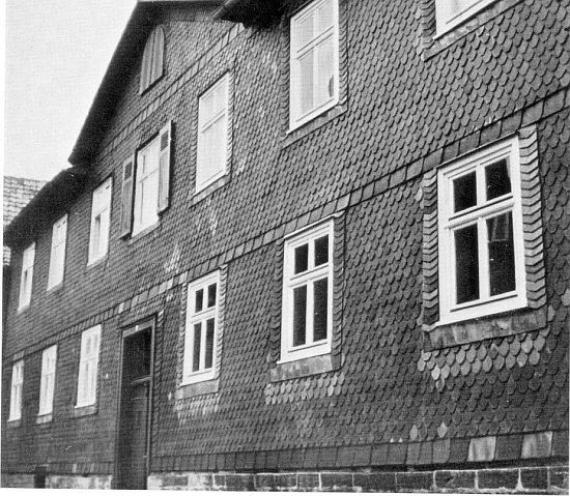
(111, 88)
(48, 202)
(250, 12)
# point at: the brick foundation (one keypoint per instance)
(546, 480)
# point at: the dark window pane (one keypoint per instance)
(321, 251)
(199, 300)
(301, 258)
(211, 295)
(197, 341)
(465, 192)
(299, 315)
(501, 254)
(320, 309)
(467, 264)
(209, 343)
(498, 179)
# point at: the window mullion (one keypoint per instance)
(203, 332)
(310, 311)
(483, 259)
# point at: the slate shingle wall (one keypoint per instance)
(407, 111)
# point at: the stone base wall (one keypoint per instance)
(545, 480)
(58, 481)
(18, 480)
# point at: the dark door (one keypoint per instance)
(134, 413)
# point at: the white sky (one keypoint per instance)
(57, 52)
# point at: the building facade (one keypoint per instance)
(304, 245)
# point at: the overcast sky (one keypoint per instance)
(57, 52)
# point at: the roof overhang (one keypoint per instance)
(250, 12)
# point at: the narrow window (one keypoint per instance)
(314, 61)
(100, 221)
(201, 329)
(307, 294)
(57, 258)
(211, 163)
(152, 66)
(146, 187)
(16, 390)
(47, 382)
(27, 276)
(88, 367)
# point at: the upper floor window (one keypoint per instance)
(47, 382)
(152, 66)
(307, 294)
(481, 235)
(57, 256)
(27, 276)
(88, 366)
(16, 391)
(450, 13)
(100, 221)
(213, 109)
(201, 329)
(314, 71)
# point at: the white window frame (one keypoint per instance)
(296, 118)
(292, 281)
(100, 209)
(447, 18)
(448, 221)
(47, 381)
(148, 155)
(27, 277)
(193, 317)
(57, 255)
(205, 123)
(87, 378)
(16, 391)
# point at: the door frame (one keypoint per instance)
(126, 332)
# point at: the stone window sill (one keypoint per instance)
(44, 418)
(317, 122)
(197, 197)
(304, 367)
(197, 389)
(84, 411)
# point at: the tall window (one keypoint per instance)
(307, 294)
(100, 221)
(152, 66)
(27, 276)
(213, 111)
(146, 187)
(201, 329)
(88, 366)
(16, 391)
(480, 235)
(57, 258)
(450, 13)
(314, 61)
(47, 383)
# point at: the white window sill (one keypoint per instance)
(206, 185)
(198, 377)
(44, 418)
(13, 423)
(313, 350)
(23, 308)
(294, 125)
(84, 410)
(97, 261)
(55, 288)
(143, 232)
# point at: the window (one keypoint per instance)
(450, 13)
(27, 276)
(314, 61)
(100, 221)
(88, 365)
(480, 235)
(47, 383)
(16, 391)
(152, 66)
(307, 294)
(202, 313)
(57, 258)
(212, 157)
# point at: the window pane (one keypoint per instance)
(465, 192)
(199, 300)
(497, 179)
(303, 31)
(325, 71)
(321, 251)
(320, 289)
(306, 63)
(209, 343)
(467, 264)
(325, 18)
(501, 254)
(197, 341)
(301, 258)
(299, 315)
(211, 295)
